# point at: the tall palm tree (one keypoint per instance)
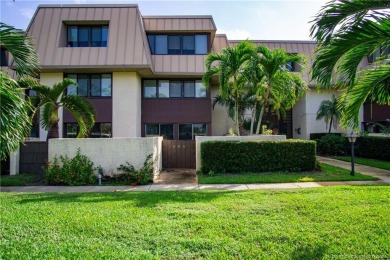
(346, 33)
(328, 110)
(51, 99)
(278, 81)
(14, 110)
(228, 65)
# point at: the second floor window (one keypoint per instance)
(178, 44)
(173, 89)
(90, 85)
(87, 36)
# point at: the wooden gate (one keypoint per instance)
(178, 154)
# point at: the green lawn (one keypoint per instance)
(333, 222)
(328, 173)
(22, 179)
(369, 162)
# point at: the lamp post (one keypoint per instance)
(352, 139)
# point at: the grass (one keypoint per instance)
(22, 179)
(332, 222)
(328, 173)
(369, 162)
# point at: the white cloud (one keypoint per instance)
(235, 34)
(27, 12)
(80, 1)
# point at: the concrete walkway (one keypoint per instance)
(162, 182)
(382, 174)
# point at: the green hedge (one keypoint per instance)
(373, 147)
(261, 156)
(316, 136)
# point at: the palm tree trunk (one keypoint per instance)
(330, 125)
(263, 109)
(53, 131)
(254, 109)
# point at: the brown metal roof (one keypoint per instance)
(127, 43)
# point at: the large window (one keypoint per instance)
(174, 89)
(90, 85)
(159, 130)
(99, 130)
(189, 131)
(178, 44)
(87, 36)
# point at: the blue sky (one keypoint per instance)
(255, 20)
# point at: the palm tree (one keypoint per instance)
(14, 116)
(242, 103)
(51, 99)
(279, 83)
(328, 110)
(228, 65)
(15, 122)
(346, 33)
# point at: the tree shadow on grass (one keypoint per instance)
(140, 199)
(313, 251)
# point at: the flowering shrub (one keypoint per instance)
(142, 176)
(76, 171)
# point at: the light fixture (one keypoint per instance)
(352, 139)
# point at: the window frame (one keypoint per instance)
(182, 94)
(90, 42)
(99, 124)
(152, 40)
(192, 130)
(89, 84)
(159, 130)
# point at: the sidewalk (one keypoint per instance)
(384, 175)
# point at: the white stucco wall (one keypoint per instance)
(220, 121)
(201, 139)
(126, 105)
(109, 153)
(49, 79)
(299, 119)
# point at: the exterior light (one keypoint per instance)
(352, 139)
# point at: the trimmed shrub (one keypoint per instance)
(260, 156)
(76, 171)
(142, 176)
(332, 144)
(373, 147)
(317, 136)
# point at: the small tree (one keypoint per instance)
(51, 99)
(328, 110)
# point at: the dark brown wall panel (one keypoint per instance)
(33, 156)
(103, 107)
(378, 112)
(176, 111)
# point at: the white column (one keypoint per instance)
(14, 158)
(126, 104)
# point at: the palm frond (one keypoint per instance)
(21, 48)
(348, 48)
(82, 110)
(374, 83)
(342, 14)
(15, 122)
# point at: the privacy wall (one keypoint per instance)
(111, 152)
